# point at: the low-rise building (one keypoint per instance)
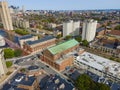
(115, 33)
(98, 65)
(100, 31)
(55, 82)
(60, 56)
(39, 45)
(25, 38)
(22, 82)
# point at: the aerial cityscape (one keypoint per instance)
(59, 45)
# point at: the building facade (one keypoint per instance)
(89, 30)
(5, 15)
(21, 23)
(39, 45)
(3, 68)
(60, 56)
(71, 28)
(26, 38)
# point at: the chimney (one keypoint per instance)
(26, 78)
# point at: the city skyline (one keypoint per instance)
(65, 5)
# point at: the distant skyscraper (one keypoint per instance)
(23, 9)
(89, 30)
(71, 28)
(5, 15)
(3, 68)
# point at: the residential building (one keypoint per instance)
(39, 45)
(115, 33)
(100, 31)
(5, 15)
(22, 82)
(51, 25)
(26, 38)
(3, 68)
(21, 23)
(89, 30)
(71, 28)
(55, 82)
(60, 56)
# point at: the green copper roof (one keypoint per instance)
(64, 46)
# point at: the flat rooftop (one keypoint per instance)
(55, 82)
(20, 78)
(26, 37)
(40, 40)
(100, 63)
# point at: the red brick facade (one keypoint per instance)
(39, 46)
(51, 59)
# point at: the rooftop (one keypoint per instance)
(100, 63)
(40, 40)
(115, 32)
(100, 29)
(26, 37)
(63, 46)
(20, 78)
(55, 83)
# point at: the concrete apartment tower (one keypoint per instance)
(5, 15)
(89, 30)
(3, 68)
(71, 28)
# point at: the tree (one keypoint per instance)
(21, 31)
(8, 64)
(101, 86)
(68, 37)
(59, 36)
(84, 82)
(17, 52)
(117, 27)
(85, 43)
(8, 53)
(79, 39)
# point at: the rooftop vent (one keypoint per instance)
(57, 81)
(62, 86)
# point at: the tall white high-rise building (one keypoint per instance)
(89, 30)
(5, 15)
(3, 68)
(71, 28)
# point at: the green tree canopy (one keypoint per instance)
(68, 37)
(79, 39)
(8, 53)
(21, 31)
(117, 27)
(8, 64)
(17, 52)
(85, 43)
(84, 82)
(59, 36)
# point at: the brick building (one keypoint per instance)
(100, 31)
(22, 82)
(60, 56)
(39, 45)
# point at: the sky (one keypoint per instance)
(66, 4)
